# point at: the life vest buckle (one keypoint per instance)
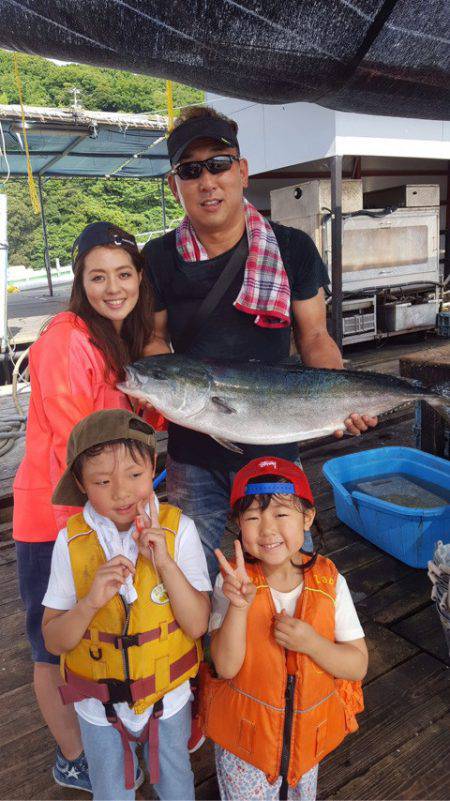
(118, 690)
(124, 641)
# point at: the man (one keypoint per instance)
(208, 178)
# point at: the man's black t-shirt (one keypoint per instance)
(181, 286)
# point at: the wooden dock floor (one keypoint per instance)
(402, 747)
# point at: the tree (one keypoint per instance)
(70, 204)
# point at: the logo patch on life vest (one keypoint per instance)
(159, 595)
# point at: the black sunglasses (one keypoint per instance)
(190, 170)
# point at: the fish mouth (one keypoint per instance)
(133, 384)
(139, 386)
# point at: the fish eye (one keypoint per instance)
(159, 374)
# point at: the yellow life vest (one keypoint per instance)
(139, 652)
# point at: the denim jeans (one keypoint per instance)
(204, 495)
(33, 568)
(104, 753)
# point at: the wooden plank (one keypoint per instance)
(399, 705)
(355, 555)
(7, 553)
(20, 714)
(10, 607)
(424, 629)
(6, 514)
(419, 768)
(5, 531)
(16, 667)
(8, 583)
(435, 363)
(25, 768)
(397, 600)
(12, 629)
(389, 349)
(367, 579)
(386, 649)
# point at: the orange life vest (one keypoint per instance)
(282, 713)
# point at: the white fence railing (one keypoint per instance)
(25, 277)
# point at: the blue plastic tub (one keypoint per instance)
(407, 533)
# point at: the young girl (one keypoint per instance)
(286, 643)
(125, 609)
(74, 367)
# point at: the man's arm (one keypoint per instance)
(160, 340)
(318, 349)
(312, 339)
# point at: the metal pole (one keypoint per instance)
(163, 204)
(336, 249)
(44, 234)
(447, 227)
(3, 270)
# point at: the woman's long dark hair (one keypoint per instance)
(118, 349)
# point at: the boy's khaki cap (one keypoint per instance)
(100, 427)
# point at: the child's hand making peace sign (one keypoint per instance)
(149, 536)
(237, 586)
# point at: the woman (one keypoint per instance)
(74, 367)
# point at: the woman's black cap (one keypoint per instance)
(99, 233)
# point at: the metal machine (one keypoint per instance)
(391, 277)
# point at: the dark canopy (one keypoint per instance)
(369, 56)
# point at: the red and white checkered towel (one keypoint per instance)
(265, 291)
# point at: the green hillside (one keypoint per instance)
(72, 203)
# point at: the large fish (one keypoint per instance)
(262, 404)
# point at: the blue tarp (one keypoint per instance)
(83, 148)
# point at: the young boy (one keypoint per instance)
(126, 605)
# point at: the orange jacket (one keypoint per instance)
(281, 712)
(67, 383)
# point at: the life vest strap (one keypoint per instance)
(124, 641)
(115, 691)
(149, 733)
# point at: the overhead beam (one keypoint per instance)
(101, 155)
(61, 155)
(295, 174)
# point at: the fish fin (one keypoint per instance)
(225, 443)
(223, 405)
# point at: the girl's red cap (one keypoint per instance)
(271, 466)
